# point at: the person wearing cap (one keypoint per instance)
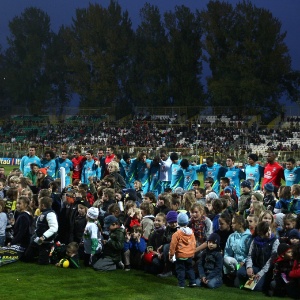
(269, 198)
(245, 198)
(113, 247)
(291, 172)
(171, 228)
(211, 263)
(280, 269)
(225, 183)
(91, 237)
(254, 171)
(29, 159)
(273, 172)
(234, 174)
(183, 246)
(43, 179)
(294, 237)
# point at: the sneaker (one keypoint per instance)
(181, 287)
(120, 265)
(165, 275)
(192, 285)
(127, 268)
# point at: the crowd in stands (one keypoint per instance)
(209, 134)
(241, 229)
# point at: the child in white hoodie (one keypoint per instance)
(183, 245)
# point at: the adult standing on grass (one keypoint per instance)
(234, 174)
(254, 171)
(49, 163)
(29, 159)
(77, 161)
(64, 162)
(109, 157)
(273, 172)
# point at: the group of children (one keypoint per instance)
(196, 234)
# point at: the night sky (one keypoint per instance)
(62, 11)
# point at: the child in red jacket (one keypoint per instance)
(293, 288)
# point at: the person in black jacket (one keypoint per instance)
(43, 180)
(211, 263)
(45, 233)
(23, 224)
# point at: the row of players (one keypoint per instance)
(162, 171)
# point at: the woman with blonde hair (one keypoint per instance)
(113, 169)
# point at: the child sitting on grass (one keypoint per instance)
(281, 267)
(113, 247)
(134, 247)
(71, 255)
(211, 263)
(183, 246)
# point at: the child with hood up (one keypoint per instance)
(183, 245)
(211, 263)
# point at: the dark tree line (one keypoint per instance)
(102, 59)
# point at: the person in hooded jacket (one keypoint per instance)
(183, 246)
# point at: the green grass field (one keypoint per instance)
(31, 281)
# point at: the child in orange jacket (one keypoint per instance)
(183, 246)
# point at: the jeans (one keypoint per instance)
(213, 283)
(184, 267)
(2, 240)
(242, 277)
